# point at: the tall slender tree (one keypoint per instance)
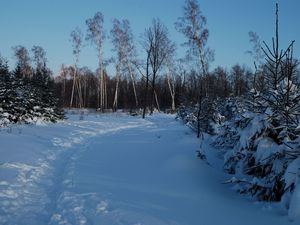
(122, 40)
(193, 26)
(76, 39)
(23, 60)
(39, 57)
(159, 47)
(171, 80)
(96, 35)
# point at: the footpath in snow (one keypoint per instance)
(116, 169)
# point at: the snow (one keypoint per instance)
(291, 175)
(265, 149)
(294, 211)
(118, 169)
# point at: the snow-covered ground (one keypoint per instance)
(116, 169)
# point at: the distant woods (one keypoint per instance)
(153, 78)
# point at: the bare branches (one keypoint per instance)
(96, 34)
(76, 39)
(158, 47)
(23, 60)
(193, 26)
(95, 31)
(122, 40)
(256, 51)
(39, 57)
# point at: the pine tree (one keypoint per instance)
(46, 102)
(266, 137)
(7, 94)
(26, 99)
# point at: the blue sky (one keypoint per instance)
(48, 23)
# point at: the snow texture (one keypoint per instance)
(116, 169)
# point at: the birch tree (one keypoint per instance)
(171, 81)
(39, 57)
(122, 40)
(115, 103)
(63, 74)
(96, 35)
(23, 60)
(76, 39)
(193, 26)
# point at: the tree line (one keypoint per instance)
(155, 80)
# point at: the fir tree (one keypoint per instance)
(7, 94)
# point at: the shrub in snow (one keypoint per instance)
(203, 115)
(252, 154)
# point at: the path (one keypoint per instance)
(125, 170)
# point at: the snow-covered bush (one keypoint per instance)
(188, 115)
(251, 154)
(203, 116)
(261, 146)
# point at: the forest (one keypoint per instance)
(251, 117)
(157, 80)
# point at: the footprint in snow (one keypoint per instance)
(59, 142)
(102, 207)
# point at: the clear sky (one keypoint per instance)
(48, 23)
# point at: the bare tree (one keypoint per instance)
(85, 74)
(258, 56)
(39, 57)
(148, 49)
(63, 74)
(222, 83)
(239, 82)
(193, 25)
(115, 103)
(158, 47)
(76, 39)
(171, 80)
(122, 40)
(23, 60)
(256, 51)
(96, 34)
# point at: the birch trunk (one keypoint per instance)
(115, 104)
(133, 83)
(73, 88)
(171, 86)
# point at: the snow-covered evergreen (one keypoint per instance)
(27, 100)
(259, 139)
